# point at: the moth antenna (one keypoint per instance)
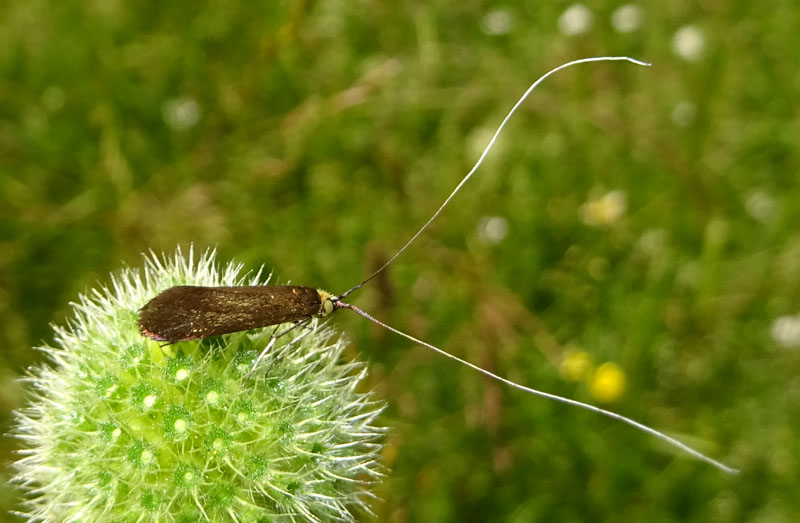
(586, 406)
(640, 426)
(489, 146)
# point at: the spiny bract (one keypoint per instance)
(120, 428)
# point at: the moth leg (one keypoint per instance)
(273, 339)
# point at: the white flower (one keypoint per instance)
(577, 19)
(181, 113)
(684, 113)
(786, 331)
(492, 229)
(652, 242)
(760, 205)
(497, 22)
(626, 18)
(689, 43)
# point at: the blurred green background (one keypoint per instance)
(645, 218)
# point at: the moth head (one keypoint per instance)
(327, 303)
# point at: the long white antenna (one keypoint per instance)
(640, 426)
(338, 304)
(472, 171)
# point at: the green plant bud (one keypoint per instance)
(122, 428)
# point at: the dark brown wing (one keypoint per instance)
(192, 313)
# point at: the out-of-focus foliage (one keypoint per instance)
(632, 239)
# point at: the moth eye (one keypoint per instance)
(327, 307)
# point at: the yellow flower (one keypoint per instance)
(577, 365)
(608, 382)
(606, 210)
